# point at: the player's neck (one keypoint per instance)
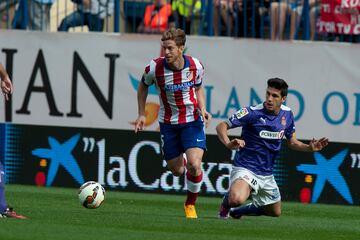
(178, 64)
(273, 112)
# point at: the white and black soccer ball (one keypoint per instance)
(91, 194)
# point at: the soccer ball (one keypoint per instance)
(91, 194)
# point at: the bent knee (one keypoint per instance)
(275, 213)
(194, 168)
(195, 165)
(236, 199)
(177, 171)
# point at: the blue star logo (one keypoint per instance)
(327, 170)
(60, 154)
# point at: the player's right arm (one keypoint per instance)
(142, 93)
(238, 119)
(147, 79)
(222, 133)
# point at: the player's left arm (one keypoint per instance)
(6, 85)
(313, 146)
(200, 96)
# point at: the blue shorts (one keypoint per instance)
(176, 139)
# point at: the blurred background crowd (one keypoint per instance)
(314, 20)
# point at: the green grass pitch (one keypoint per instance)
(55, 213)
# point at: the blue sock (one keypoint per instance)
(3, 204)
(249, 210)
(225, 201)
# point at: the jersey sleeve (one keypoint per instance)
(240, 118)
(148, 77)
(291, 127)
(199, 75)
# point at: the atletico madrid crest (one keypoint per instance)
(189, 75)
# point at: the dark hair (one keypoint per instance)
(178, 35)
(278, 84)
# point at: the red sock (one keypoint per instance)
(194, 185)
(191, 198)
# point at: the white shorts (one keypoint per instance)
(265, 190)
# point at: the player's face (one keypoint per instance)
(274, 100)
(172, 52)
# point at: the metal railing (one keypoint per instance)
(264, 19)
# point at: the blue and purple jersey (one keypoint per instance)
(263, 133)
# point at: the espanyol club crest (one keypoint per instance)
(283, 121)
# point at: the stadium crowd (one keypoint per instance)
(266, 19)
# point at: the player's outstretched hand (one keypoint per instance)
(140, 123)
(317, 145)
(6, 87)
(235, 144)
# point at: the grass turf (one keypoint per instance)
(55, 213)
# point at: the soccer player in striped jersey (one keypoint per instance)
(182, 115)
(263, 128)
(5, 210)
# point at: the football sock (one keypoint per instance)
(249, 210)
(194, 186)
(225, 201)
(3, 204)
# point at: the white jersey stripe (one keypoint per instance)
(169, 90)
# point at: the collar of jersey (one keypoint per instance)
(186, 64)
(269, 114)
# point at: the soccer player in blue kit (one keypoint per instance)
(263, 128)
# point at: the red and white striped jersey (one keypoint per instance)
(176, 89)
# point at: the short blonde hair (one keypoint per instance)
(178, 35)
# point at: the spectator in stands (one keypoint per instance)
(155, 17)
(33, 15)
(223, 17)
(314, 13)
(314, 6)
(279, 11)
(248, 14)
(183, 11)
(90, 13)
